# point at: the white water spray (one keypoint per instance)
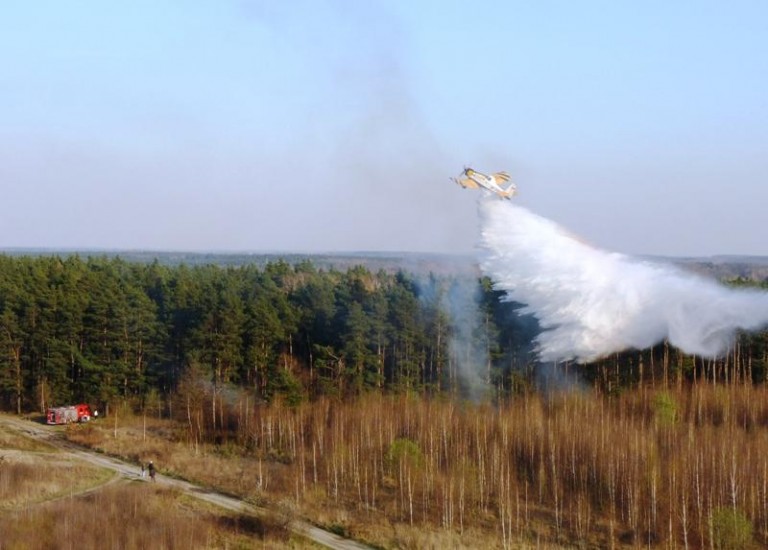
(591, 303)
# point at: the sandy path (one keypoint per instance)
(300, 527)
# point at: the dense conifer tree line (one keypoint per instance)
(98, 329)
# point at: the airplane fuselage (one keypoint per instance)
(473, 180)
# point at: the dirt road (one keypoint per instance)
(52, 437)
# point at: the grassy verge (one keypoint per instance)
(48, 500)
(32, 472)
(136, 515)
(12, 439)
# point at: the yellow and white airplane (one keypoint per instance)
(472, 179)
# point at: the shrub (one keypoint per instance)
(403, 449)
(664, 409)
(730, 529)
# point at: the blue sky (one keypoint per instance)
(334, 125)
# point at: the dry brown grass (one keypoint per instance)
(24, 482)
(13, 439)
(49, 500)
(136, 516)
(33, 472)
(225, 468)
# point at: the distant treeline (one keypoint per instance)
(98, 329)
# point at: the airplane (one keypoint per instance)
(472, 179)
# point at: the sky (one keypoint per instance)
(333, 126)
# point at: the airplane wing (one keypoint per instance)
(501, 177)
(467, 183)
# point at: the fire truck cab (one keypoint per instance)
(66, 415)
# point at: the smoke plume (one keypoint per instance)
(468, 344)
(590, 302)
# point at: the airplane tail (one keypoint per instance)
(510, 191)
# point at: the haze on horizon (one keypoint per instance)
(334, 125)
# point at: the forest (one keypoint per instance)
(100, 329)
(401, 409)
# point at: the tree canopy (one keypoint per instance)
(96, 329)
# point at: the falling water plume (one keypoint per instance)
(591, 303)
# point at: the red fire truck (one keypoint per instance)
(72, 413)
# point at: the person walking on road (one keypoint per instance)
(151, 468)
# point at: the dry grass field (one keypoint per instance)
(32, 472)
(50, 500)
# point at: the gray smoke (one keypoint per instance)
(468, 346)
